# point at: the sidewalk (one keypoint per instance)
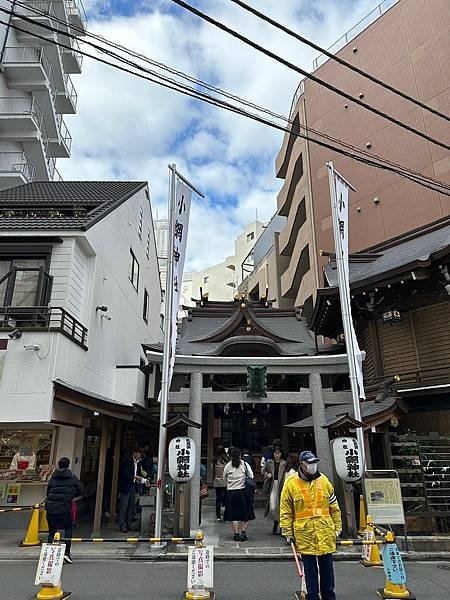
(261, 544)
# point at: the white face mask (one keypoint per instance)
(311, 469)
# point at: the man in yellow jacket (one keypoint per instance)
(311, 518)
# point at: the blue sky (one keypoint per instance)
(127, 128)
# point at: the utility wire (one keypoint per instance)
(310, 76)
(222, 104)
(337, 59)
(208, 86)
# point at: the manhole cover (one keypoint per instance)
(444, 567)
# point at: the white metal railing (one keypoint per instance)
(17, 162)
(70, 89)
(64, 132)
(343, 41)
(75, 7)
(27, 55)
(355, 30)
(33, 9)
(57, 175)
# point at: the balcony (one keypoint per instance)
(66, 101)
(15, 169)
(61, 145)
(42, 13)
(27, 68)
(72, 59)
(44, 319)
(76, 16)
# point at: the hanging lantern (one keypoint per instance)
(392, 315)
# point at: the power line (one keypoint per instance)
(208, 86)
(310, 76)
(337, 59)
(222, 104)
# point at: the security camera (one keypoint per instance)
(102, 307)
(32, 347)
(106, 317)
(15, 334)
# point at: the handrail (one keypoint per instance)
(70, 89)
(17, 162)
(64, 132)
(74, 7)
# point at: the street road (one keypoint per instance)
(125, 580)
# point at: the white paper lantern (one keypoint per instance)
(347, 458)
(182, 459)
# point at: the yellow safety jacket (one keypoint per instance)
(309, 512)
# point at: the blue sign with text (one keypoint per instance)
(393, 564)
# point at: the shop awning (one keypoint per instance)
(77, 396)
(372, 413)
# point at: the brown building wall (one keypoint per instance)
(408, 47)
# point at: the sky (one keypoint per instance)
(127, 128)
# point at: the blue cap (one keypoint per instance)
(308, 456)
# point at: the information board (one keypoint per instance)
(50, 564)
(200, 567)
(384, 501)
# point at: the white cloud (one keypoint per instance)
(128, 128)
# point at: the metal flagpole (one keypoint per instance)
(165, 383)
(344, 296)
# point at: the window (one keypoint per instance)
(145, 309)
(133, 273)
(141, 215)
(25, 281)
(206, 279)
(250, 236)
(147, 250)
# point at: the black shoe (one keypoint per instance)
(123, 530)
(68, 559)
(243, 537)
(237, 537)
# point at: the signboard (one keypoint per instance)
(200, 567)
(393, 565)
(182, 459)
(384, 501)
(13, 493)
(347, 458)
(369, 536)
(50, 564)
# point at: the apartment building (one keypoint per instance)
(402, 42)
(36, 88)
(79, 295)
(221, 281)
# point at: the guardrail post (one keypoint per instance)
(32, 534)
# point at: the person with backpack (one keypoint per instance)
(62, 488)
(238, 505)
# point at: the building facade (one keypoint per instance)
(79, 295)
(36, 88)
(404, 43)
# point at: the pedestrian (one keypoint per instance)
(273, 484)
(310, 517)
(62, 488)
(268, 455)
(220, 461)
(203, 491)
(238, 504)
(247, 456)
(292, 465)
(129, 475)
(147, 462)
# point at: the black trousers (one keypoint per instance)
(60, 521)
(221, 492)
(313, 566)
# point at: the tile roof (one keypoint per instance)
(98, 198)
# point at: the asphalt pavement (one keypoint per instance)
(125, 580)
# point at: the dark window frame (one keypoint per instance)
(145, 306)
(132, 269)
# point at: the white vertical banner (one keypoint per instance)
(183, 197)
(341, 188)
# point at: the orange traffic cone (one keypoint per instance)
(32, 534)
(362, 516)
(43, 524)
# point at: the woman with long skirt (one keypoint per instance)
(238, 505)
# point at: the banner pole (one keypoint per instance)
(165, 382)
(344, 296)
